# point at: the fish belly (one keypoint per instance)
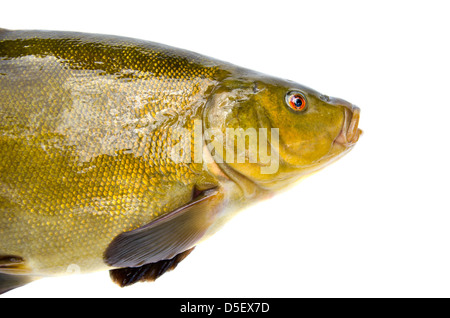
(86, 125)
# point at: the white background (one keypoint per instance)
(374, 224)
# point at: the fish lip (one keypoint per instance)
(350, 133)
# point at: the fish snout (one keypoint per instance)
(350, 132)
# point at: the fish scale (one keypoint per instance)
(123, 155)
(76, 175)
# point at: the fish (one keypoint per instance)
(122, 155)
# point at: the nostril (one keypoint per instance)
(325, 98)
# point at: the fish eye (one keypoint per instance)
(296, 101)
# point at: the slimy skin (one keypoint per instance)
(88, 128)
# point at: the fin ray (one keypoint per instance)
(149, 272)
(9, 282)
(164, 238)
(12, 264)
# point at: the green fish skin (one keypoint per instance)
(115, 153)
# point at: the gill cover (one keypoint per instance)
(281, 144)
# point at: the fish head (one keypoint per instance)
(283, 131)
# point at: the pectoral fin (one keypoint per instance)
(149, 272)
(168, 236)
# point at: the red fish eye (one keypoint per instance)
(297, 102)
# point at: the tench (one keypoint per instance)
(121, 154)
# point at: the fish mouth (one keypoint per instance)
(349, 134)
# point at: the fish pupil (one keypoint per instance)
(296, 101)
